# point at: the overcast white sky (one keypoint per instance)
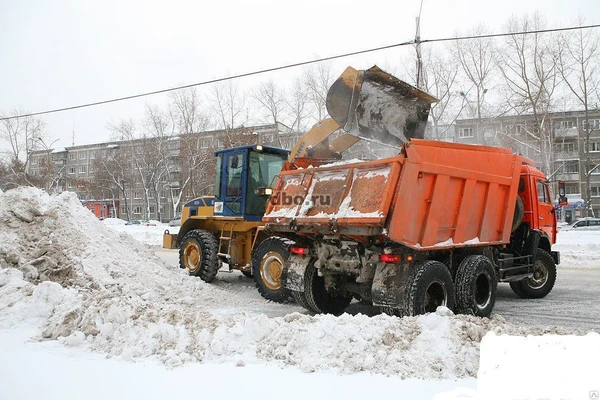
(60, 53)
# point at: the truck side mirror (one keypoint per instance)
(235, 161)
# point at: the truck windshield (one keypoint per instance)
(262, 169)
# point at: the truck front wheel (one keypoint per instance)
(542, 281)
(429, 286)
(198, 253)
(475, 286)
(267, 266)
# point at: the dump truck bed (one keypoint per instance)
(432, 195)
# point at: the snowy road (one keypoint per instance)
(573, 303)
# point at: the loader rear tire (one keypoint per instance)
(475, 286)
(198, 253)
(317, 296)
(542, 281)
(429, 286)
(267, 268)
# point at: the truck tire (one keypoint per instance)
(519, 213)
(475, 286)
(267, 266)
(543, 280)
(429, 286)
(317, 297)
(198, 253)
(300, 298)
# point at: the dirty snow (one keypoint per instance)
(73, 279)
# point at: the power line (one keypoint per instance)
(298, 64)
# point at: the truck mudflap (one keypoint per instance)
(293, 272)
(389, 285)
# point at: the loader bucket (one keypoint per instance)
(376, 106)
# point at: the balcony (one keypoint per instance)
(567, 177)
(566, 132)
(566, 155)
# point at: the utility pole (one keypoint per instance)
(418, 48)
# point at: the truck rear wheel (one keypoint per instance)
(475, 286)
(300, 298)
(429, 286)
(317, 296)
(198, 253)
(267, 266)
(542, 281)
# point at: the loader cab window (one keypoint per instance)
(262, 169)
(234, 180)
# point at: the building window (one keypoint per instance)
(205, 144)
(151, 209)
(595, 191)
(72, 156)
(82, 169)
(137, 210)
(268, 138)
(71, 170)
(82, 155)
(163, 194)
(92, 155)
(564, 147)
(571, 168)
(594, 147)
(219, 143)
(82, 197)
(593, 123)
(70, 185)
(465, 132)
(137, 195)
(123, 210)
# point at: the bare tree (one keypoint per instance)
(228, 102)
(477, 64)
(271, 99)
(317, 80)
(529, 70)
(113, 174)
(186, 111)
(297, 107)
(579, 57)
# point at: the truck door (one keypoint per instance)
(546, 212)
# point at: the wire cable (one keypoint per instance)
(298, 64)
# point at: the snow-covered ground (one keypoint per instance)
(90, 300)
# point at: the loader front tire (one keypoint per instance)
(198, 253)
(475, 286)
(542, 281)
(429, 286)
(267, 267)
(317, 296)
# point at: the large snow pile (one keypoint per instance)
(73, 279)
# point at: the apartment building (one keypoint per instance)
(147, 178)
(565, 155)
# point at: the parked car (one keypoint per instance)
(587, 223)
(133, 222)
(175, 222)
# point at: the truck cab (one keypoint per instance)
(539, 211)
(243, 176)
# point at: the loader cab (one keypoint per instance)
(242, 175)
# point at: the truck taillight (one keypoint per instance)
(390, 258)
(298, 250)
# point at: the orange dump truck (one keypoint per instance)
(439, 224)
